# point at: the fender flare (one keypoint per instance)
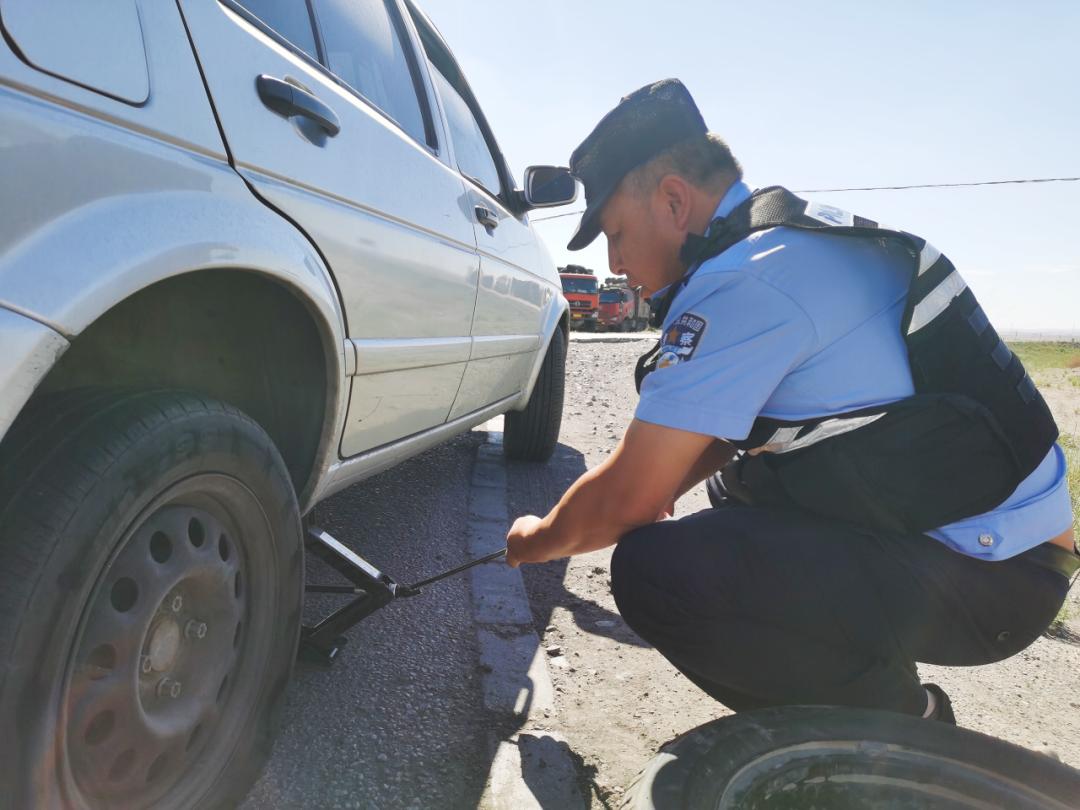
(71, 272)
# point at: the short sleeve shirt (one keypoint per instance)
(797, 325)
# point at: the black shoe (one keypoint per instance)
(943, 710)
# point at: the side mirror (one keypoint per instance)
(548, 186)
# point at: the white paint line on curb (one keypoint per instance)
(516, 680)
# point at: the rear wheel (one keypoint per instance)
(844, 759)
(531, 434)
(151, 571)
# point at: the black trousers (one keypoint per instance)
(763, 607)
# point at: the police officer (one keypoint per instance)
(885, 481)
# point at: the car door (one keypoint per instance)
(326, 110)
(507, 322)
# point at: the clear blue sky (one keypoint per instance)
(825, 95)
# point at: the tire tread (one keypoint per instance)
(533, 433)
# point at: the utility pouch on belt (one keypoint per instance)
(974, 430)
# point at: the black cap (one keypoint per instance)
(644, 124)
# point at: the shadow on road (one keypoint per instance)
(534, 489)
(540, 755)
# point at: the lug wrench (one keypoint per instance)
(414, 589)
(372, 588)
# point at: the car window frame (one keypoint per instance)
(429, 36)
(432, 144)
(455, 164)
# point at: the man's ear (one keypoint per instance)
(675, 198)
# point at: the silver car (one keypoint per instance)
(251, 251)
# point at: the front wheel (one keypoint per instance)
(151, 578)
(531, 434)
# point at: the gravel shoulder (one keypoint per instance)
(618, 700)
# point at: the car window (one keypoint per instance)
(473, 155)
(289, 18)
(364, 49)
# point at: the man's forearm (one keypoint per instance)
(714, 458)
(628, 489)
(592, 514)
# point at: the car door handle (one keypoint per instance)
(486, 217)
(287, 99)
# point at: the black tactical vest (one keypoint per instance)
(974, 430)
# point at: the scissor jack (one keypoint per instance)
(320, 643)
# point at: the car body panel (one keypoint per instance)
(391, 219)
(517, 276)
(148, 193)
(349, 471)
(510, 302)
(106, 151)
(96, 45)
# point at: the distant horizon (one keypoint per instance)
(1068, 336)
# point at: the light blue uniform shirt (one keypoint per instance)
(796, 325)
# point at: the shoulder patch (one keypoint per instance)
(829, 214)
(681, 339)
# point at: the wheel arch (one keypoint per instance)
(209, 292)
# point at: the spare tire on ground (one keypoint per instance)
(823, 757)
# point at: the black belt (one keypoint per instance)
(1054, 557)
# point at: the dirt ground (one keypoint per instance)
(618, 700)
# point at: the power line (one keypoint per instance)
(886, 188)
(944, 185)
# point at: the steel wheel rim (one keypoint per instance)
(164, 640)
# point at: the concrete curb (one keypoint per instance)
(516, 681)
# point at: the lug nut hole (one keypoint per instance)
(124, 594)
(100, 728)
(196, 533)
(236, 585)
(160, 547)
(223, 548)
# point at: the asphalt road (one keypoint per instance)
(399, 720)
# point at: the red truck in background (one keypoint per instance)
(582, 290)
(622, 308)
